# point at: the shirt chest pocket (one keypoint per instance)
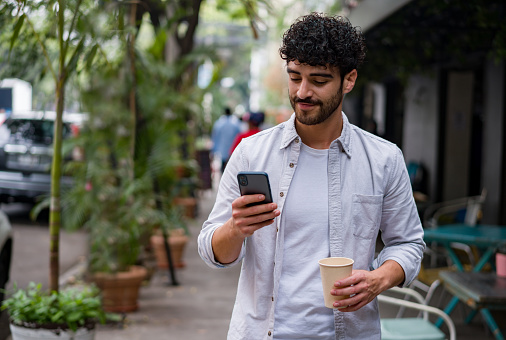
(366, 215)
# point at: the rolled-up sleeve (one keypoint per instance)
(228, 191)
(401, 229)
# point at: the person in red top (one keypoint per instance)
(254, 120)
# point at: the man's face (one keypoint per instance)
(315, 92)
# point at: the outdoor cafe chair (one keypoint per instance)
(466, 210)
(412, 328)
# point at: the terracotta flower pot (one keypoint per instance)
(188, 206)
(120, 291)
(177, 243)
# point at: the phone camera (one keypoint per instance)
(243, 180)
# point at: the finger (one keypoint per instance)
(262, 219)
(261, 212)
(352, 303)
(249, 229)
(356, 277)
(262, 209)
(352, 308)
(344, 291)
(244, 200)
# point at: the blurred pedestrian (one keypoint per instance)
(336, 188)
(254, 119)
(225, 129)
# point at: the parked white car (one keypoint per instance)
(26, 151)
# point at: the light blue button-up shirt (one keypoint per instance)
(369, 192)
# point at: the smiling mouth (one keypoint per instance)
(305, 106)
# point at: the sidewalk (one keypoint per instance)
(199, 308)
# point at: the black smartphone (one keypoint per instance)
(255, 182)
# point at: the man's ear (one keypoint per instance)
(349, 81)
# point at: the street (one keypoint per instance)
(30, 258)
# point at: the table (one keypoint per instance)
(487, 238)
(480, 291)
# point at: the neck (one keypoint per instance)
(320, 136)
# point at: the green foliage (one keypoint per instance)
(16, 54)
(115, 207)
(119, 196)
(70, 308)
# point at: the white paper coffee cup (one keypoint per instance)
(333, 269)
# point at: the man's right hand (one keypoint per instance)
(227, 239)
(248, 219)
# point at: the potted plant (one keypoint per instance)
(71, 313)
(184, 191)
(177, 236)
(116, 227)
(123, 185)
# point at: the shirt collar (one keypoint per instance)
(345, 138)
(290, 134)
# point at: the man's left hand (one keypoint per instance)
(363, 286)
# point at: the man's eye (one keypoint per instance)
(294, 79)
(317, 82)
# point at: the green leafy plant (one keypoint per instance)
(123, 184)
(71, 308)
(66, 42)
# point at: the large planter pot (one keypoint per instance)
(177, 244)
(120, 291)
(188, 206)
(25, 333)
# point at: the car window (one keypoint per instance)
(37, 131)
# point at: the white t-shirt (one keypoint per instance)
(300, 312)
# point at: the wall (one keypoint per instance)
(493, 143)
(458, 135)
(420, 133)
(21, 93)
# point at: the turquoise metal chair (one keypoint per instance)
(413, 328)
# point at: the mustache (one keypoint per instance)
(306, 101)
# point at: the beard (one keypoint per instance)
(324, 110)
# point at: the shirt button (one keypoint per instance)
(272, 298)
(269, 333)
(277, 229)
(296, 140)
(292, 165)
(281, 194)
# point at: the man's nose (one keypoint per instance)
(304, 90)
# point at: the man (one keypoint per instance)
(335, 187)
(225, 129)
(254, 120)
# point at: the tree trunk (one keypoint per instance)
(132, 101)
(54, 210)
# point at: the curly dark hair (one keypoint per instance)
(318, 40)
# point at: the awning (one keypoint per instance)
(371, 12)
